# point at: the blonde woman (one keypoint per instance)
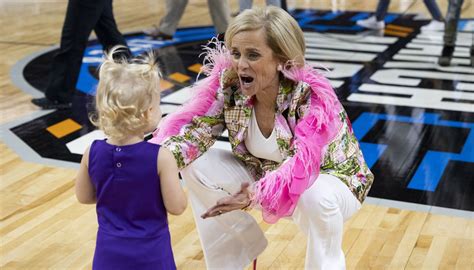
(134, 183)
(294, 153)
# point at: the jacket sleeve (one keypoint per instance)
(195, 138)
(344, 160)
(278, 191)
(194, 128)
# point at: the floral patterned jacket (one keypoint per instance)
(337, 153)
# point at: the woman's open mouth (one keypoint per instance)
(245, 80)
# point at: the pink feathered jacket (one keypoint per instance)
(314, 134)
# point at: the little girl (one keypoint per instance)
(134, 183)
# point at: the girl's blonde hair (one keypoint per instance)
(125, 92)
(283, 34)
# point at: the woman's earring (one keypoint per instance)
(279, 67)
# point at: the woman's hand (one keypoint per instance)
(237, 201)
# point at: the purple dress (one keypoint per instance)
(133, 226)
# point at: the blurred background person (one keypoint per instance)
(450, 33)
(247, 4)
(377, 21)
(82, 16)
(219, 10)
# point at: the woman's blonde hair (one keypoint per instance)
(125, 92)
(283, 34)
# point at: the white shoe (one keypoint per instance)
(434, 25)
(371, 23)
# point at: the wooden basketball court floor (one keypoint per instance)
(42, 226)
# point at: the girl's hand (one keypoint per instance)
(238, 201)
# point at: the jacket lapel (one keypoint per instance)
(283, 131)
(243, 106)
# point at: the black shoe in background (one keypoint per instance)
(156, 34)
(47, 104)
(446, 55)
(162, 37)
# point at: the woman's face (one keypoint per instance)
(254, 62)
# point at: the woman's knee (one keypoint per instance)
(321, 197)
(203, 173)
(329, 196)
(202, 165)
(190, 171)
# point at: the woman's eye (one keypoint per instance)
(253, 56)
(236, 55)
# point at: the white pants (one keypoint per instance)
(233, 240)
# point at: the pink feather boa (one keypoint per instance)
(204, 93)
(278, 191)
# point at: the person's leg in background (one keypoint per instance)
(437, 23)
(81, 17)
(232, 240)
(433, 9)
(320, 214)
(450, 31)
(174, 12)
(169, 23)
(220, 14)
(107, 31)
(382, 9)
(245, 4)
(376, 21)
(276, 3)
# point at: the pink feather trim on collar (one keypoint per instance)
(278, 191)
(204, 92)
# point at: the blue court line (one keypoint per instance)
(303, 14)
(431, 169)
(326, 17)
(359, 16)
(323, 27)
(434, 163)
(389, 18)
(305, 22)
(193, 31)
(461, 24)
(372, 152)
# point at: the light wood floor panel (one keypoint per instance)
(42, 226)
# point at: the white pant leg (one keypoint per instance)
(220, 14)
(320, 213)
(234, 239)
